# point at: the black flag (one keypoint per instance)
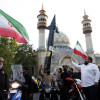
(52, 28)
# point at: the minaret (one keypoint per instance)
(87, 29)
(41, 25)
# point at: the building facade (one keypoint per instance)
(62, 52)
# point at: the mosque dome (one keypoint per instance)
(61, 42)
(61, 38)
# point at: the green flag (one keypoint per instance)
(9, 27)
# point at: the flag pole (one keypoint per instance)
(50, 43)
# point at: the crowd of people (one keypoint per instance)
(27, 92)
(89, 75)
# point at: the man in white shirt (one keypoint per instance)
(89, 77)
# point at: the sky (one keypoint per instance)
(68, 13)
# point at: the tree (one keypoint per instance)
(14, 53)
(7, 51)
(25, 55)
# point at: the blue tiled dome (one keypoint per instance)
(61, 38)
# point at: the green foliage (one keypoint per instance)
(7, 51)
(14, 53)
(25, 55)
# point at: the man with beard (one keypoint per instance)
(47, 77)
(64, 89)
(89, 77)
(3, 81)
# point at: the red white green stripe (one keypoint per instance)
(79, 50)
(9, 27)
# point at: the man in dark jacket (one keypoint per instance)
(3, 81)
(64, 88)
(65, 75)
(72, 74)
(28, 86)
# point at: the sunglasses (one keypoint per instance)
(1, 61)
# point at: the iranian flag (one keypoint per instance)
(79, 50)
(9, 27)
